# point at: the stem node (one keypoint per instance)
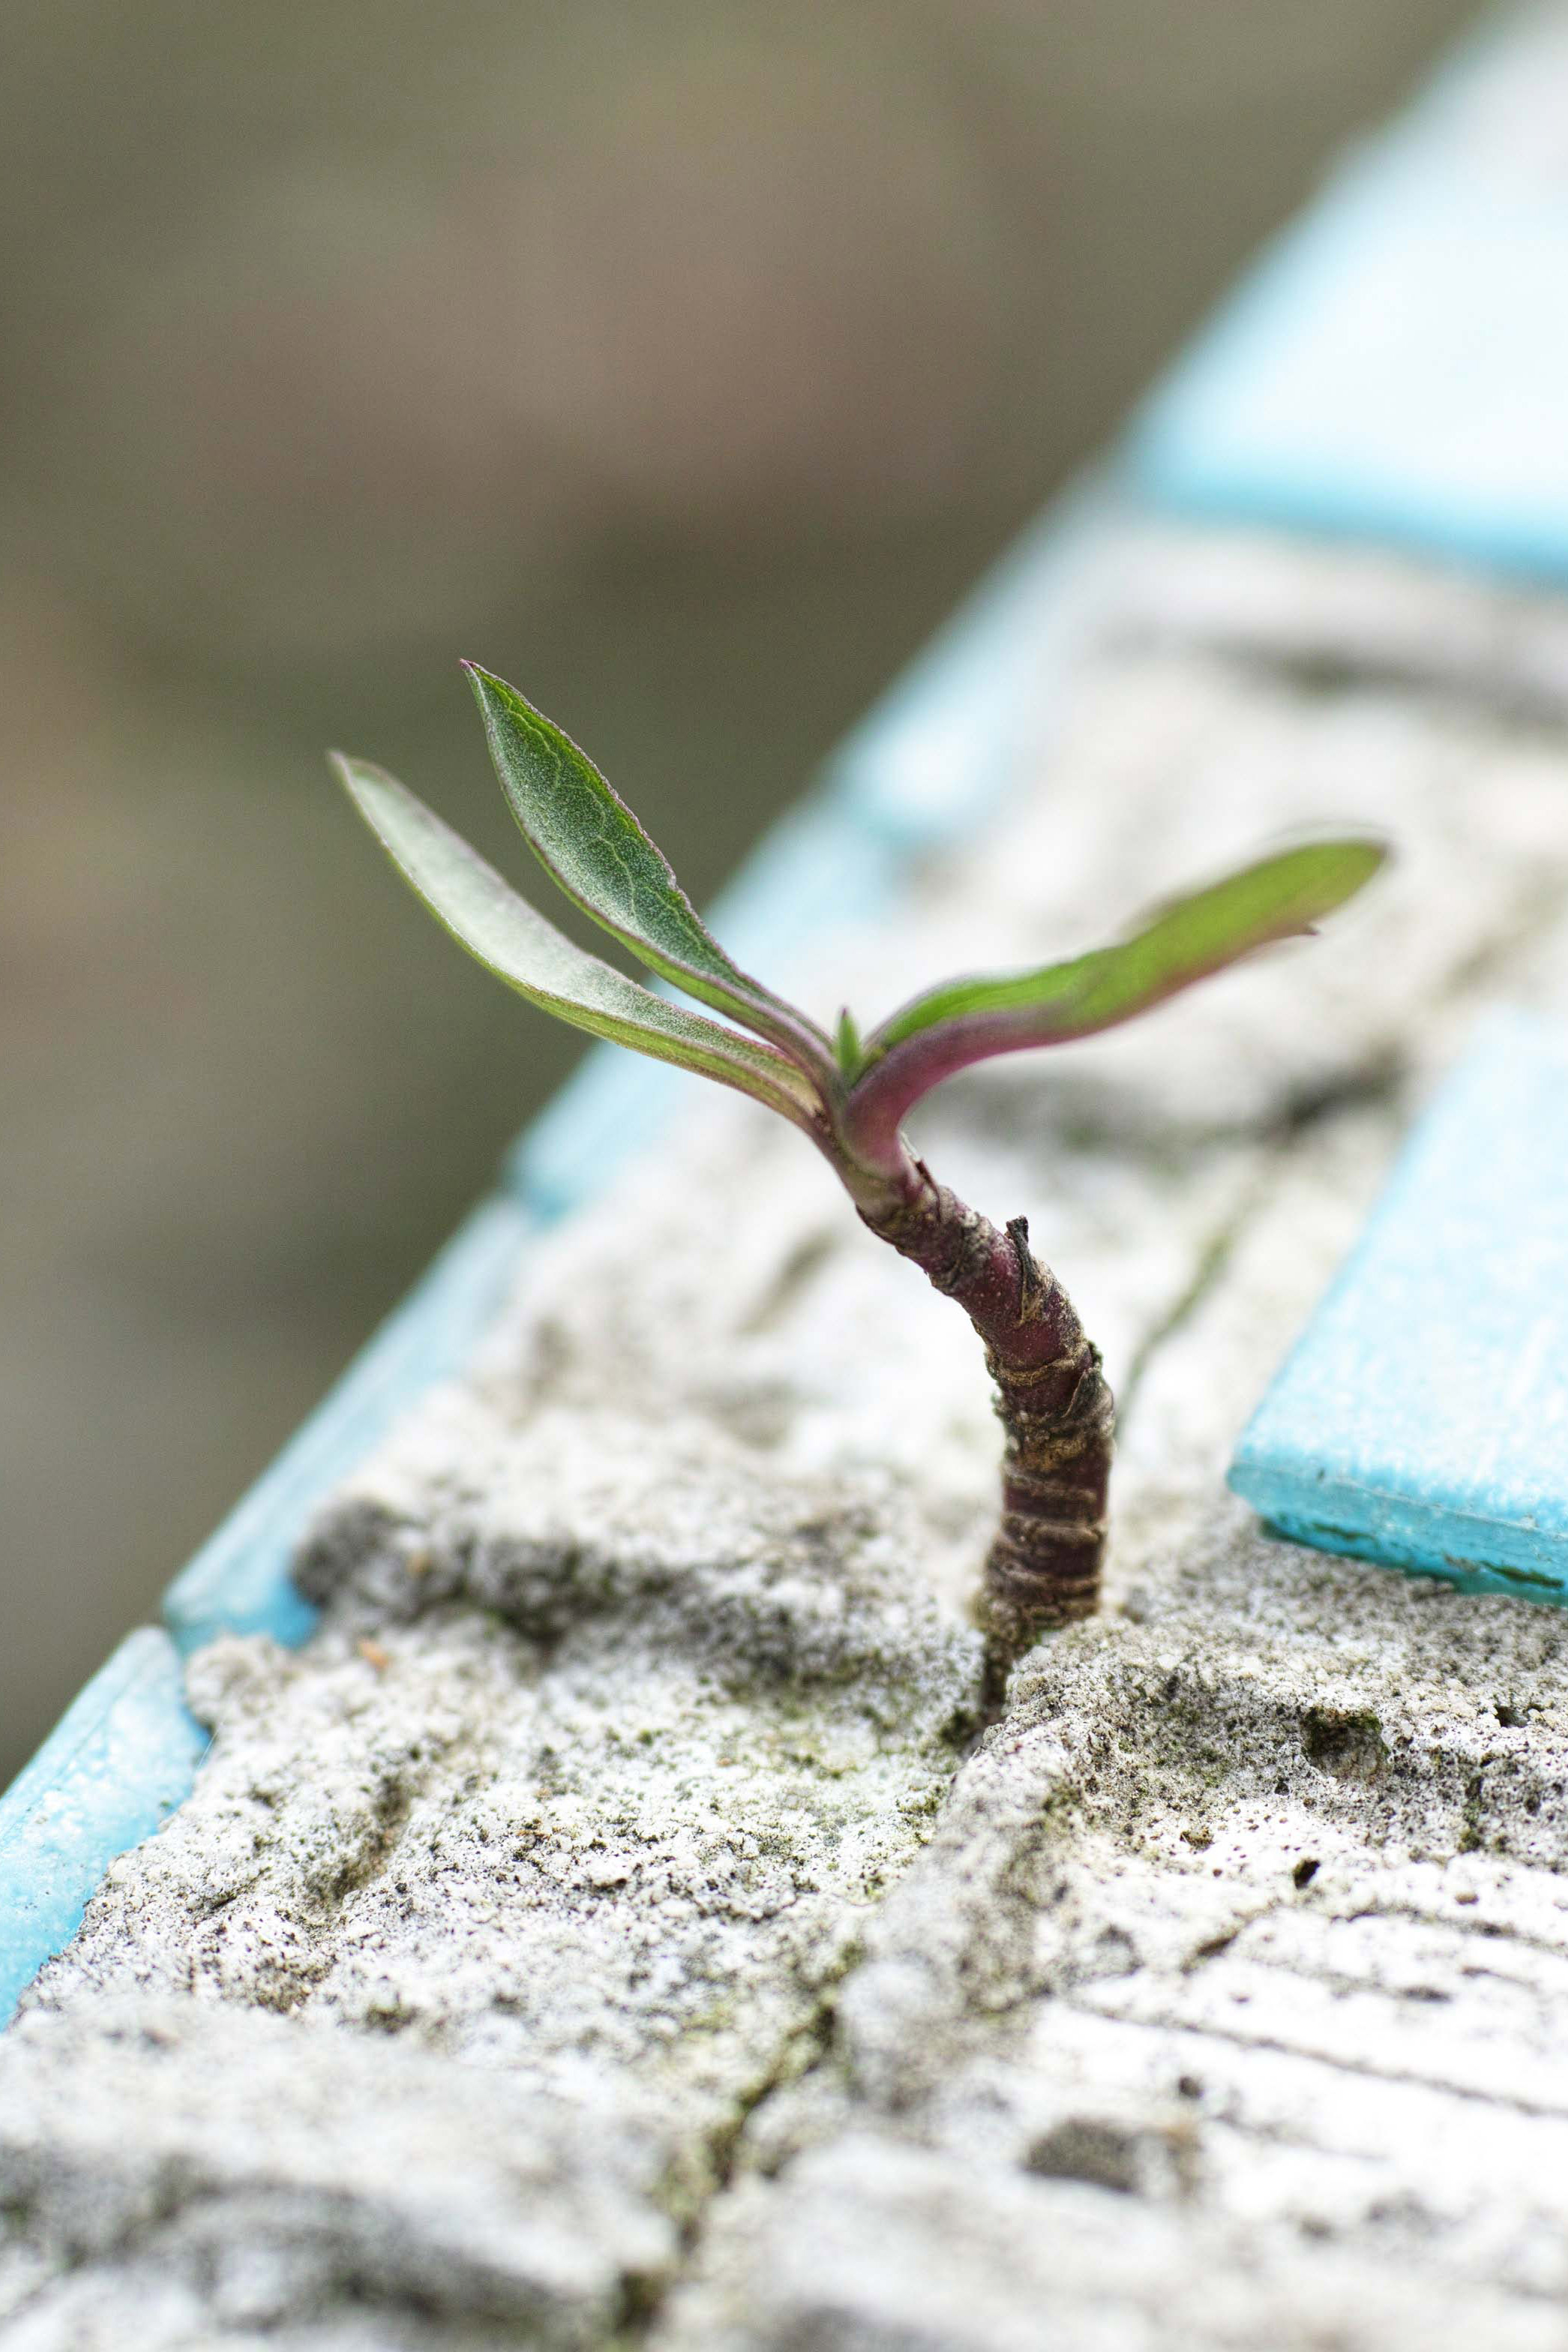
(1054, 1404)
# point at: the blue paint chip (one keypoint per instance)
(1422, 1420)
(1396, 367)
(114, 1767)
(239, 1583)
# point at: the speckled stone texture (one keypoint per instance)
(615, 1925)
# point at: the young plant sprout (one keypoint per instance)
(849, 1094)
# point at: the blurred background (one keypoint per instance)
(684, 361)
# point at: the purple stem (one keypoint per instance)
(1055, 1407)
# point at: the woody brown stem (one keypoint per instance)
(1054, 1404)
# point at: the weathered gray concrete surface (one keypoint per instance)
(610, 1925)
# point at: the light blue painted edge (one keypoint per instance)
(1182, 460)
(238, 1582)
(118, 1763)
(1293, 1461)
(125, 1753)
(1185, 444)
(1391, 1533)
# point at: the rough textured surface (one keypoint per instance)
(237, 2172)
(1260, 1937)
(625, 1829)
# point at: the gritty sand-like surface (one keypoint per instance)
(614, 1926)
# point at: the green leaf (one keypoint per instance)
(591, 845)
(969, 1021)
(503, 932)
(848, 1050)
(1279, 898)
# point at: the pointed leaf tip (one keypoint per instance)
(512, 939)
(847, 1048)
(1182, 940)
(593, 848)
(1187, 939)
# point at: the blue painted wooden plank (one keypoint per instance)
(1396, 368)
(119, 1761)
(1423, 1418)
(238, 1582)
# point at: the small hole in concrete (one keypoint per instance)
(1349, 1746)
